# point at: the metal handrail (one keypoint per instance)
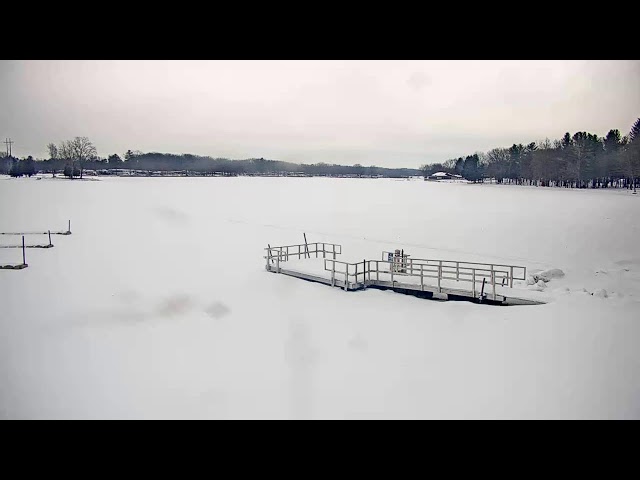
(453, 270)
(411, 259)
(439, 272)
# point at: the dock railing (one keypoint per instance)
(440, 270)
(283, 253)
(370, 272)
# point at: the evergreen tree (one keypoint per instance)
(29, 166)
(16, 168)
(470, 168)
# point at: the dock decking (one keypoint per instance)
(425, 278)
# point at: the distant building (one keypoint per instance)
(443, 176)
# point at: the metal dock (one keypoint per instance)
(425, 278)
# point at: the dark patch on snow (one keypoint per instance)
(217, 310)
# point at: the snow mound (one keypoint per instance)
(538, 286)
(601, 292)
(547, 275)
(544, 276)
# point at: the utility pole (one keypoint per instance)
(8, 142)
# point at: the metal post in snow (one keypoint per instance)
(473, 281)
(306, 248)
(364, 272)
(268, 256)
(49, 237)
(493, 282)
(24, 260)
(69, 230)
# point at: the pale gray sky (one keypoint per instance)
(387, 113)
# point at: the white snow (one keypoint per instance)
(548, 275)
(601, 292)
(159, 306)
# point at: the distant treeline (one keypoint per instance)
(75, 156)
(583, 160)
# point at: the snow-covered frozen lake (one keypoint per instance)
(159, 306)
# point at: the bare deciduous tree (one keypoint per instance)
(53, 156)
(65, 152)
(83, 151)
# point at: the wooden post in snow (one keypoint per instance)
(69, 230)
(24, 260)
(49, 237)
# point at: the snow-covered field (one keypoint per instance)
(159, 306)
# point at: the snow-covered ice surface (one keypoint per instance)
(159, 306)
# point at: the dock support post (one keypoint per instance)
(24, 259)
(377, 271)
(268, 256)
(493, 282)
(511, 277)
(473, 282)
(421, 278)
(439, 275)
(364, 273)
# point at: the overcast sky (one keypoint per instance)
(385, 113)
